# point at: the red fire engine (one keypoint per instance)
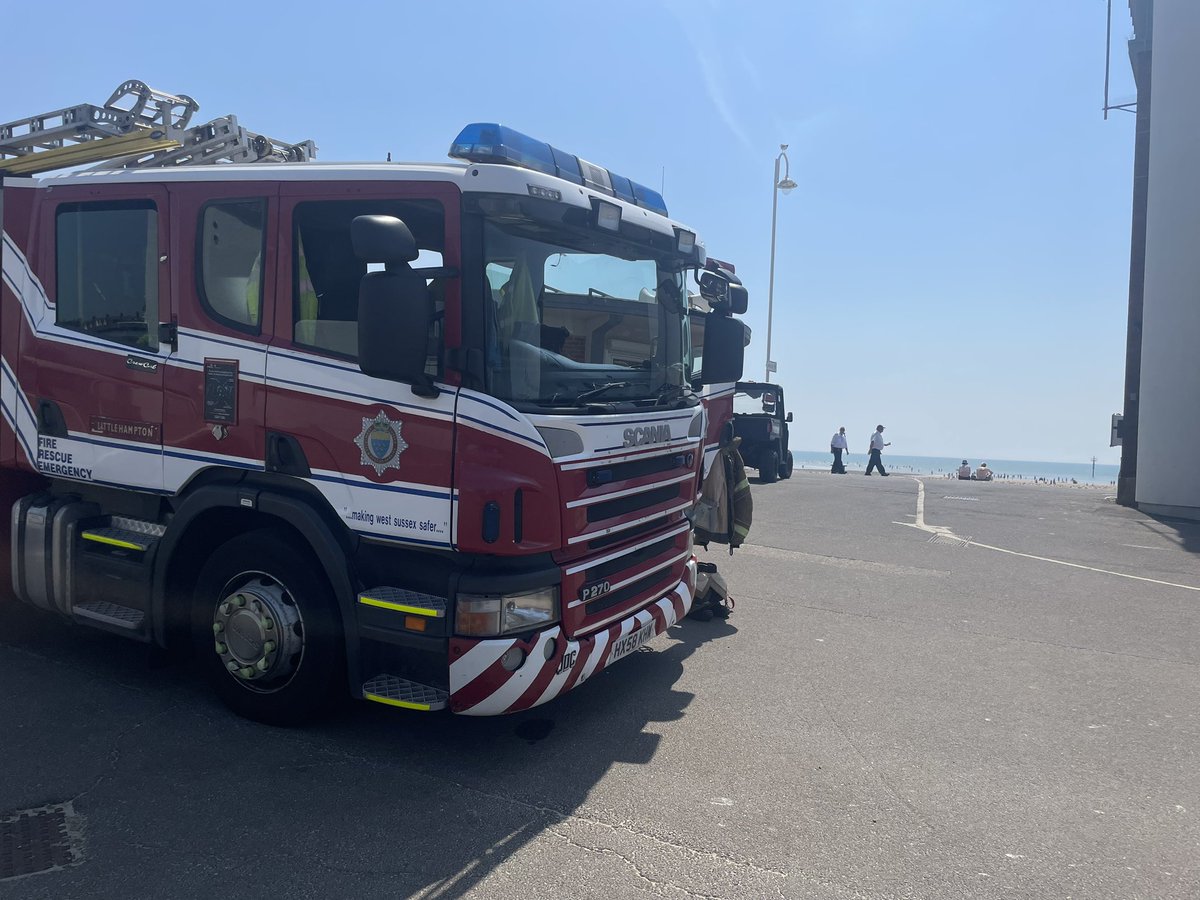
(425, 432)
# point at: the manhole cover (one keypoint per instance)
(949, 540)
(39, 840)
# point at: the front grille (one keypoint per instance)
(609, 509)
(629, 561)
(627, 535)
(627, 593)
(636, 468)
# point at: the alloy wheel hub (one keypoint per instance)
(258, 632)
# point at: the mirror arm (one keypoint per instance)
(438, 272)
(426, 388)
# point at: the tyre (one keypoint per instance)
(785, 471)
(769, 470)
(266, 631)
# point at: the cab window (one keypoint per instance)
(106, 266)
(231, 243)
(326, 273)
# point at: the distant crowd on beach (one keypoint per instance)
(838, 447)
(1037, 479)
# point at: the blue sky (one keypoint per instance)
(954, 263)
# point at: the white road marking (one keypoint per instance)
(943, 531)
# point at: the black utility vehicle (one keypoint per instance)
(760, 420)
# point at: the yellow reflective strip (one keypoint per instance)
(102, 539)
(400, 607)
(424, 707)
(132, 144)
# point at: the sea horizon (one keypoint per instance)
(1032, 470)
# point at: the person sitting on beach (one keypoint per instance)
(983, 473)
(964, 471)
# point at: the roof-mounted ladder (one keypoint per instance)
(137, 127)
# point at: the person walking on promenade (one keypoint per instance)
(837, 446)
(877, 445)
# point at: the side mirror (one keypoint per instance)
(394, 306)
(724, 349)
(382, 239)
(739, 299)
(724, 291)
(789, 418)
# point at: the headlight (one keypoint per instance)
(489, 615)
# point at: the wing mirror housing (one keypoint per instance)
(724, 291)
(724, 349)
(394, 306)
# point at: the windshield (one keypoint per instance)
(755, 401)
(570, 325)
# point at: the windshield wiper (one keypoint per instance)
(669, 393)
(597, 391)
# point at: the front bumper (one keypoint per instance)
(481, 686)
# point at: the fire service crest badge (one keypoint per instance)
(381, 443)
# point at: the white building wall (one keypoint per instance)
(1168, 473)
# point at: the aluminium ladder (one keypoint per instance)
(137, 127)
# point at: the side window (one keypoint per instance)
(326, 274)
(107, 271)
(230, 262)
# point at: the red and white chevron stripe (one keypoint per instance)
(480, 685)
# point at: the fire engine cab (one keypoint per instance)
(426, 433)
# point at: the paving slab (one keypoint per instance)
(1003, 713)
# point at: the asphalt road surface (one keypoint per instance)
(963, 699)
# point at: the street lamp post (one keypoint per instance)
(786, 186)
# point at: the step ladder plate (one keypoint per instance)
(110, 614)
(394, 691)
(137, 526)
(119, 537)
(401, 600)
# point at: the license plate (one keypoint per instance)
(622, 647)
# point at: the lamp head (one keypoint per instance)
(787, 185)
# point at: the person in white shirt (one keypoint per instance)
(877, 445)
(837, 446)
(983, 473)
(964, 471)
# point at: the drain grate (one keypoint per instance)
(966, 499)
(39, 840)
(949, 540)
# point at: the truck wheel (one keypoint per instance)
(266, 631)
(785, 471)
(769, 470)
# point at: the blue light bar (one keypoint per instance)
(489, 142)
(649, 199)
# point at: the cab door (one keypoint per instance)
(97, 370)
(380, 453)
(215, 396)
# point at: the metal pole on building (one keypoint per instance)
(1107, 58)
(786, 185)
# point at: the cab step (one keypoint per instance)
(395, 691)
(401, 600)
(125, 534)
(100, 612)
